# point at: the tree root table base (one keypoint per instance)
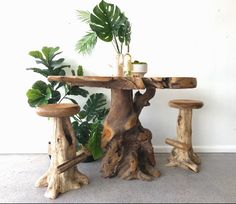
(129, 151)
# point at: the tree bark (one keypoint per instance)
(129, 151)
(63, 148)
(184, 157)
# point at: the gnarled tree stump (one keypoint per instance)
(129, 149)
(63, 148)
(182, 154)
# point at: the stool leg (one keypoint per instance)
(63, 148)
(184, 158)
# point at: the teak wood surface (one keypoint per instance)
(129, 151)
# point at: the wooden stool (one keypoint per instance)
(182, 154)
(63, 148)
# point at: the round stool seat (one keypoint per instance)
(185, 104)
(58, 110)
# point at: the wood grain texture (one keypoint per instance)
(170, 82)
(57, 110)
(63, 149)
(185, 103)
(129, 151)
(125, 83)
(183, 155)
(128, 83)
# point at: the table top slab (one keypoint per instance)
(128, 83)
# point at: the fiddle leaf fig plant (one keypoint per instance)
(107, 23)
(88, 123)
(47, 93)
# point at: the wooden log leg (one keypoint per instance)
(63, 148)
(129, 151)
(184, 157)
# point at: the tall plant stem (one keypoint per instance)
(116, 43)
(64, 96)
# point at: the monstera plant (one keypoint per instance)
(108, 24)
(88, 123)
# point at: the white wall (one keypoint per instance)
(177, 38)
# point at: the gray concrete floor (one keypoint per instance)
(215, 183)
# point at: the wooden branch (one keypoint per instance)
(125, 83)
(170, 82)
(129, 151)
(141, 100)
(185, 158)
(68, 164)
(177, 144)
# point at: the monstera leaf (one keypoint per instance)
(94, 142)
(106, 20)
(94, 107)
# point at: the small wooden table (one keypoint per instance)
(129, 151)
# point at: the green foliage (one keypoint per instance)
(80, 71)
(86, 44)
(39, 94)
(88, 123)
(88, 127)
(109, 24)
(94, 142)
(84, 16)
(42, 93)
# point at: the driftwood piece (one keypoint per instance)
(129, 149)
(99, 81)
(63, 148)
(170, 82)
(128, 83)
(184, 158)
(68, 164)
(177, 144)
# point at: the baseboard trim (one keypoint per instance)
(167, 149)
(200, 149)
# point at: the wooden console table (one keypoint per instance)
(129, 151)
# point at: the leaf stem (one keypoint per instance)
(116, 43)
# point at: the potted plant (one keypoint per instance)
(139, 69)
(88, 123)
(108, 24)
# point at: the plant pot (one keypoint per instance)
(139, 69)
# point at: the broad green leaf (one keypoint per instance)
(54, 97)
(94, 142)
(105, 20)
(36, 54)
(46, 51)
(40, 85)
(76, 90)
(57, 62)
(82, 131)
(94, 106)
(82, 114)
(35, 97)
(44, 72)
